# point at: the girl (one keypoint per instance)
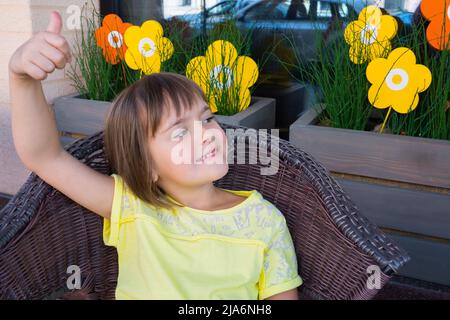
(176, 234)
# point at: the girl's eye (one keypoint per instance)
(179, 133)
(208, 120)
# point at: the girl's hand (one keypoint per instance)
(42, 53)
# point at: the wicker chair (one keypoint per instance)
(42, 232)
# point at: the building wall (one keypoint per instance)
(19, 19)
(411, 5)
(176, 7)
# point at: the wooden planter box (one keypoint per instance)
(259, 115)
(291, 101)
(77, 117)
(400, 183)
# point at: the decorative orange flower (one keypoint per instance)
(110, 37)
(438, 32)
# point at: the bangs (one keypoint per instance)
(162, 93)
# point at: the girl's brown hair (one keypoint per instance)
(135, 114)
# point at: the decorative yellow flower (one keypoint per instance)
(370, 36)
(397, 81)
(147, 47)
(224, 76)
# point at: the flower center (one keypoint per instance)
(115, 39)
(221, 77)
(147, 47)
(397, 79)
(369, 34)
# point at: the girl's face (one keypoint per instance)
(189, 150)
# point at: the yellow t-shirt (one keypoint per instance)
(244, 252)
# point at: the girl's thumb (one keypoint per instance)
(55, 23)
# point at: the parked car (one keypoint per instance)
(302, 19)
(214, 14)
(299, 18)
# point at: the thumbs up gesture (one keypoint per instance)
(42, 53)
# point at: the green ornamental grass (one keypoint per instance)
(94, 78)
(343, 86)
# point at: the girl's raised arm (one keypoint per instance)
(35, 135)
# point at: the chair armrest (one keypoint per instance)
(344, 214)
(22, 207)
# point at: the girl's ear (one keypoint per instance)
(155, 176)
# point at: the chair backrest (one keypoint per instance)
(43, 233)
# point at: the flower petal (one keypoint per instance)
(112, 22)
(220, 52)
(197, 71)
(165, 49)
(358, 53)
(379, 50)
(402, 57)
(246, 72)
(150, 64)
(131, 59)
(212, 104)
(152, 29)
(101, 37)
(377, 70)
(132, 36)
(438, 34)
(388, 28)
(422, 77)
(352, 32)
(405, 101)
(370, 15)
(379, 97)
(434, 9)
(244, 99)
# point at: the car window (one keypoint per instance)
(224, 7)
(325, 10)
(297, 10)
(343, 10)
(267, 10)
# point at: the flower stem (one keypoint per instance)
(124, 75)
(385, 120)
